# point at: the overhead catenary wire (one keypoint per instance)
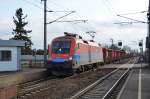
(39, 7)
(109, 7)
(123, 23)
(120, 15)
(33, 4)
(132, 19)
(75, 24)
(54, 12)
(61, 17)
(134, 13)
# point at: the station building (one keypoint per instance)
(10, 55)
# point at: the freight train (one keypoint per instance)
(70, 53)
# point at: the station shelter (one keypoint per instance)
(10, 55)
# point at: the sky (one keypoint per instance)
(101, 15)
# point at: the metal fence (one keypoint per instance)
(32, 61)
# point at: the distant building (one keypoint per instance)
(10, 54)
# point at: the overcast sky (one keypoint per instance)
(101, 16)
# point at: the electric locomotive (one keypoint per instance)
(70, 53)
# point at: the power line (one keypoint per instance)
(123, 23)
(111, 7)
(111, 10)
(134, 13)
(61, 17)
(132, 19)
(137, 21)
(37, 1)
(39, 7)
(33, 4)
(60, 6)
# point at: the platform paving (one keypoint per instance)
(137, 85)
(10, 78)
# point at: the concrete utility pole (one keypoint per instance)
(148, 38)
(45, 31)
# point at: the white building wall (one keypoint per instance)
(10, 65)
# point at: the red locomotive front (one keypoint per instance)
(60, 54)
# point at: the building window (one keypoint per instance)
(5, 55)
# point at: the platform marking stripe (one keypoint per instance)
(122, 89)
(139, 87)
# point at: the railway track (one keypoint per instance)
(102, 88)
(32, 88)
(34, 83)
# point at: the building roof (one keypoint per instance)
(12, 43)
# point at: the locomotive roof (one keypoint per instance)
(87, 42)
(80, 40)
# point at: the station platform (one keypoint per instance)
(10, 80)
(25, 75)
(137, 85)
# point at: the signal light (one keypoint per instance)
(140, 44)
(119, 43)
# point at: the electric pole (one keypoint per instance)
(45, 31)
(148, 35)
(148, 38)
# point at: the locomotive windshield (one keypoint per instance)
(61, 47)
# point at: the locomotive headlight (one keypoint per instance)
(70, 58)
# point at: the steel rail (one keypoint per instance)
(108, 94)
(77, 95)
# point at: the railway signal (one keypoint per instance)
(140, 44)
(119, 43)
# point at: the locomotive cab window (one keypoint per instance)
(61, 47)
(5, 55)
